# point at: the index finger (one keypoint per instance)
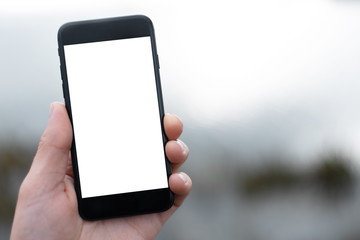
(173, 126)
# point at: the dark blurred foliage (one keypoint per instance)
(275, 176)
(14, 163)
(331, 174)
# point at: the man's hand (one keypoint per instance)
(47, 206)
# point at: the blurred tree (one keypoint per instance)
(14, 163)
(333, 174)
(273, 176)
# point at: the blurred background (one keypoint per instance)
(268, 92)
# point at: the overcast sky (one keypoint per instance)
(272, 74)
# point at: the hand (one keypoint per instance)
(47, 206)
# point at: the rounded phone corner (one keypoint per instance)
(146, 18)
(84, 216)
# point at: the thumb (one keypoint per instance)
(53, 152)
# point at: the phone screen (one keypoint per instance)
(115, 113)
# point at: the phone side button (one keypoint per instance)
(61, 73)
(157, 59)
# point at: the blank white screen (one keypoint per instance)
(115, 116)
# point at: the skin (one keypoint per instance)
(47, 206)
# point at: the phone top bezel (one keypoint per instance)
(105, 30)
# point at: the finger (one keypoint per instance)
(173, 126)
(53, 151)
(177, 153)
(180, 185)
(69, 168)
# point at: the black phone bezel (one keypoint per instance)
(125, 204)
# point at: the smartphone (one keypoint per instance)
(111, 86)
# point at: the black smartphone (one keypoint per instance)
(111, 85)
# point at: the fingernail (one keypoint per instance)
(184, 178)
(182, 145)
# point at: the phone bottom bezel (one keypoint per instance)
(126, 204)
